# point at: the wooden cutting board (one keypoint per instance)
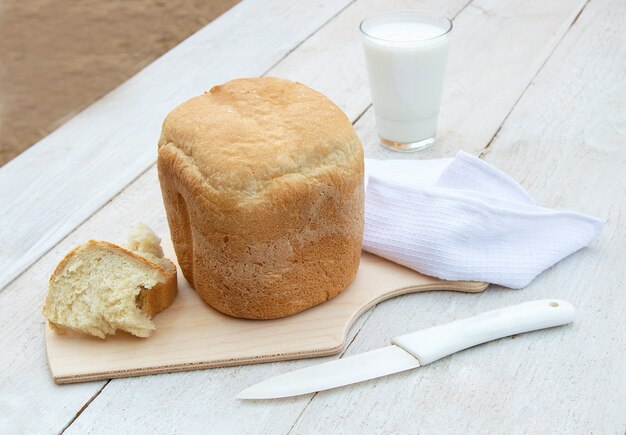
(190, 335)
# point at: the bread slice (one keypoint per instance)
(99, 287)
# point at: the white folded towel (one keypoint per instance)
(463, 219)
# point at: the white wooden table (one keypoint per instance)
(534, 87)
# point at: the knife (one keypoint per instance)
(416, 349)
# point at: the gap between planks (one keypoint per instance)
(307, 38)
(151, 165)
(356, 120)
(91, 399)
(482, 153)
(487, 147)
(122, 188)
(368, 313)
(369, 106)
(296, 21)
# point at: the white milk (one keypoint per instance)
(406, 57)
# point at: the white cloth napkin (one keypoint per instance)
(463, 219)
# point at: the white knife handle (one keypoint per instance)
(434, 343)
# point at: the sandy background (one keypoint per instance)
(59, 56)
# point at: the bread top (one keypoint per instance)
(247, 137)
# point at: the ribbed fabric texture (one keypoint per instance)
(463, 219)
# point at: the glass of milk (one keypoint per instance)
(406, 56)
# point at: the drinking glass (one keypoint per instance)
(406, 56)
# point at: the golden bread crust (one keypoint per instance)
(262, 181)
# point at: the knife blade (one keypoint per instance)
(416, 349)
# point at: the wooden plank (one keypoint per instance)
(44, 196)
(22, 327)
(230, 416)
(113, 224)
(51, 215)
(43, 191)
(564, 141)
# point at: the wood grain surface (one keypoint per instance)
(559, 132)
(55, 185)
(192, 336)
(561, 141)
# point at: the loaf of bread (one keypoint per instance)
(262, 181)
(100, 287)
